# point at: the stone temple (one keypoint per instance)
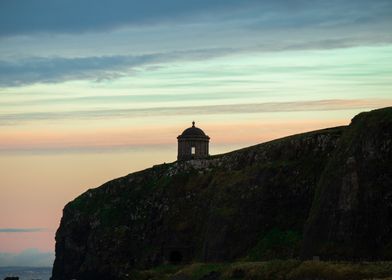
(193, 144)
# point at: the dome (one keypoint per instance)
(193, 131)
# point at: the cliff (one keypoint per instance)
(351, 216)
(316, 193)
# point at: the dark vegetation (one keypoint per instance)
(274, 270)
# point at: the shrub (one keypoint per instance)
(276, 244)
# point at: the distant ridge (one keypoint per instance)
(26, 273)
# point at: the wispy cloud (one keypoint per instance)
(21, 230)
(25, 71)
(214, 28)
(138, 98)
(24, 17)
(73, 16)
(57, 69)
(295, 106)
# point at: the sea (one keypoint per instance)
(26, 273)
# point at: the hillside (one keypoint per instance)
(313, 194)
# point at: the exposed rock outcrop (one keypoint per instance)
(351, 216)
(250, 203)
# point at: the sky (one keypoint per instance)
(94, 90)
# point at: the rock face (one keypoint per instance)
(252, 203)
(351, 216)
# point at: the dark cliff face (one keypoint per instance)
(351, 216)
(252, 203)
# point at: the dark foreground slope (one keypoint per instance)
(249, 203)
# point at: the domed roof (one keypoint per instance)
(193, 131)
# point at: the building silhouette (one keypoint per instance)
(193, 144)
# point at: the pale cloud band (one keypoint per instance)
(267, 107)
(33, 70)
(57, 69)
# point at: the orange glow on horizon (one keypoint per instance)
(220, 133)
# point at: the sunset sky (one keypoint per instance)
(94, 90)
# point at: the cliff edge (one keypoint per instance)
(326, 193)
